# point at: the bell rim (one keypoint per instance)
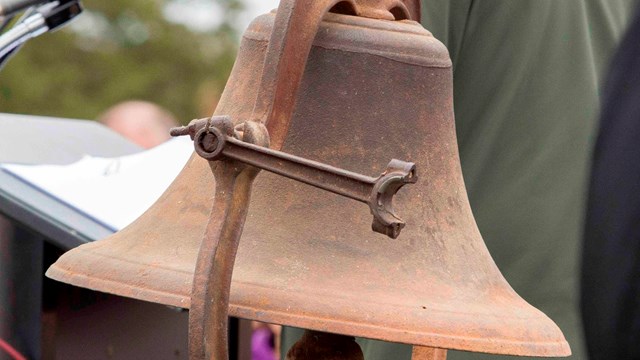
(240, 309)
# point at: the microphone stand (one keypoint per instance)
(43, 19)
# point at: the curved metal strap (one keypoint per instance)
(208, 313)
(296, 25)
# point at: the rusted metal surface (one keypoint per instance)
(316, 345)
(370, 90)
(296, 26)
(214, 140)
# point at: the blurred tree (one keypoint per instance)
(120, 50)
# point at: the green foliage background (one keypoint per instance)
(138, 55)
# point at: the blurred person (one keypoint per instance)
(144, 123)
(526, 80)
(265, 341)
(611, 255)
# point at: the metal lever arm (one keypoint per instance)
(215, 139)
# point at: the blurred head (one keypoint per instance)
(144, 123)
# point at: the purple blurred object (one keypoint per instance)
(262, 344)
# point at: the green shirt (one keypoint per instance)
(526, 80)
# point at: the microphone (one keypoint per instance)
(11, 7)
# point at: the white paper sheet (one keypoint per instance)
(113, 191)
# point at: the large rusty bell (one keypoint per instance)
(376, 86)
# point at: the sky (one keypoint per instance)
(197, 15)
(255, 8)
(203, 15)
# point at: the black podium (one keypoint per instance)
(44, 319)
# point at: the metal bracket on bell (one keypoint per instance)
(216, 138)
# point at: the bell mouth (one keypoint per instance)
(420, 326)
(484, 327)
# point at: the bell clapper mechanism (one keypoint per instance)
(40, 16)
(310, 260)
(216, 138)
